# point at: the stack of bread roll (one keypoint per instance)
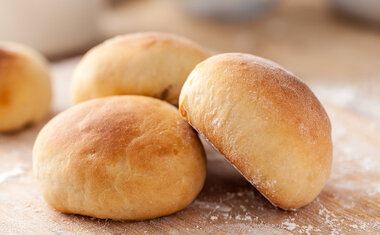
(126, 152)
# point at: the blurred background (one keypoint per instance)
(334, 45)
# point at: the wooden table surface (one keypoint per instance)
(344, 73)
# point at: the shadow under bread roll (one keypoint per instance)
(265, 121)
(122, 158)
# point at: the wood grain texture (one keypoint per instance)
(228, 204)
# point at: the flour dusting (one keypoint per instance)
(213, 218)
(4, 176)
(289, 226)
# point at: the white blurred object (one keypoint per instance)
(54, 27)
(230, 10)
(368, 10)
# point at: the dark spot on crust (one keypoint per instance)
(7, 62)
(146, 40)
(6, 55)
(152, 40)
(4, 97)
(148, 43)
(165, 93)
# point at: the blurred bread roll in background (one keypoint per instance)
(265, 121)
(122, 158)
(149, 64)
(25, 89)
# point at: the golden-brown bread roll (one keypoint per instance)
(25, 90)
(265, 121)
(122, 158)
(149, 64)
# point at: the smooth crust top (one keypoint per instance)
(127, 157)
(25, 92)
(265, 121)
(149, 64)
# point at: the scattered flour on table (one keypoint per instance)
(213, 218)
(4, 176)
(244, 229)
(243, 218)
(289, 226)
(354, 96)
(308, 229)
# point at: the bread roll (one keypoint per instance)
(122, 158)
(265, 121)
(25, 90)
(149, 64)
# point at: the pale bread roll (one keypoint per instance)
(122, 158)
(265, 121)
(25, 90)
(149, 64)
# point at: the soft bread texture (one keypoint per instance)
(265, 121)
(122, 158)
(149, 64)
(25, 90)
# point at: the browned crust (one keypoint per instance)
(147, 39)
(122, 153)
(112, 125)
(284, 111)
(6, 55)
(7, 63)
(150, 63)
